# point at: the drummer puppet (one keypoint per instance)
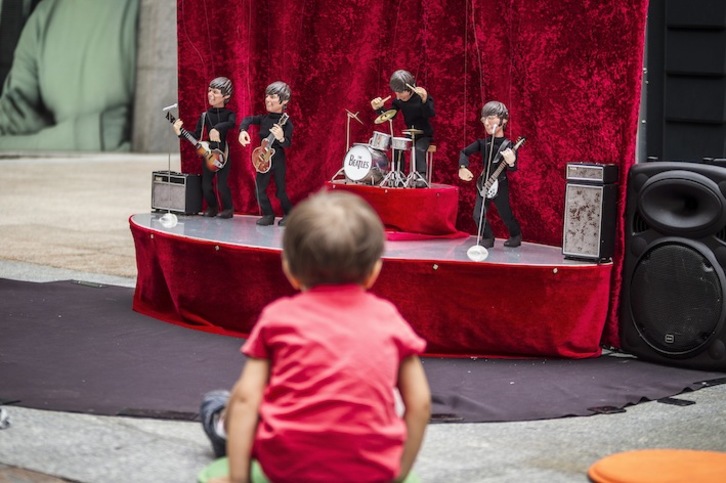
(417, 108)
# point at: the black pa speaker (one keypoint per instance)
(674, 288)
(176, 192)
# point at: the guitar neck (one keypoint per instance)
(188, 136)
(280, 122)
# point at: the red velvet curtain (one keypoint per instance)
(569, 71)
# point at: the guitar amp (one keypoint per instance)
(590, 211)
(176, 192)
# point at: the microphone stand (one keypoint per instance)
(169, 219)
(478, 253)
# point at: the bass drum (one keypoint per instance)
(364, 164)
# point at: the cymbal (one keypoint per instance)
(412, 131)
(386, 116)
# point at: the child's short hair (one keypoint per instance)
(224, 85)
(495, 108)
(332, 238)
(399, 79)
(281, 89)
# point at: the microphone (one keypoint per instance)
(494, 129)
(169, 108)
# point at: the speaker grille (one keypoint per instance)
(168, 196)
(589, 226)
(676, 298)
(639, 224)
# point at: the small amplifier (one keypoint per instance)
(176, 192)
(590, 211)
(592, 173)
(589, 226)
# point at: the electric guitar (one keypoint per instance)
(213, 158)
(491, 187)
(262, 155)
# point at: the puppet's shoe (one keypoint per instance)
(282, 221)
(211, 212)
(487, 242)
(266, 220)
(513, 241)
(228, 213)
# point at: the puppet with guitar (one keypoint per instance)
(216, 120)
(268, 159)
(498, 157)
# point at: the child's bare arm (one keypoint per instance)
(416, 396)
(241, 417)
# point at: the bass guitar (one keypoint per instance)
(215, 159)
(262, 155)
(490, 188)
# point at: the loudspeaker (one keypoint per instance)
(590, 211)
(673, 300)
(176, 192)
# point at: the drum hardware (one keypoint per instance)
(395, 177)
(414, 176)
(386, 116)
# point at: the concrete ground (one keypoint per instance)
(67, 218)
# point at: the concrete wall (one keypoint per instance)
(156, 77)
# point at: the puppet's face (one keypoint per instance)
(273, 104)
(493, 125)
(215, 97)
(404, 96)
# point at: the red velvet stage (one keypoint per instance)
(216, 275)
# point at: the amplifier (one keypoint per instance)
(589, 226)
(176, 192)
(592, 173)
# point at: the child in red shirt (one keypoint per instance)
(315, 401)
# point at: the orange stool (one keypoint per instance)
(430, 162)
(660, 466)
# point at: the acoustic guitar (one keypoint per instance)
(213, 158)
(491, 187)
(262, 155)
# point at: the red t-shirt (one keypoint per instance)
(328, 410)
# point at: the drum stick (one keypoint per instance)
(410, 87)
(386, 99)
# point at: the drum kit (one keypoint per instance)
(368, 163)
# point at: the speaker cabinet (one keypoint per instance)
(673, 300)
(176, 192)
(590, 211)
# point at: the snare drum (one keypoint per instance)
(380, 141)
(364, 164)
(401, 144)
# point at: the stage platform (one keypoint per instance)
(217, 275)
